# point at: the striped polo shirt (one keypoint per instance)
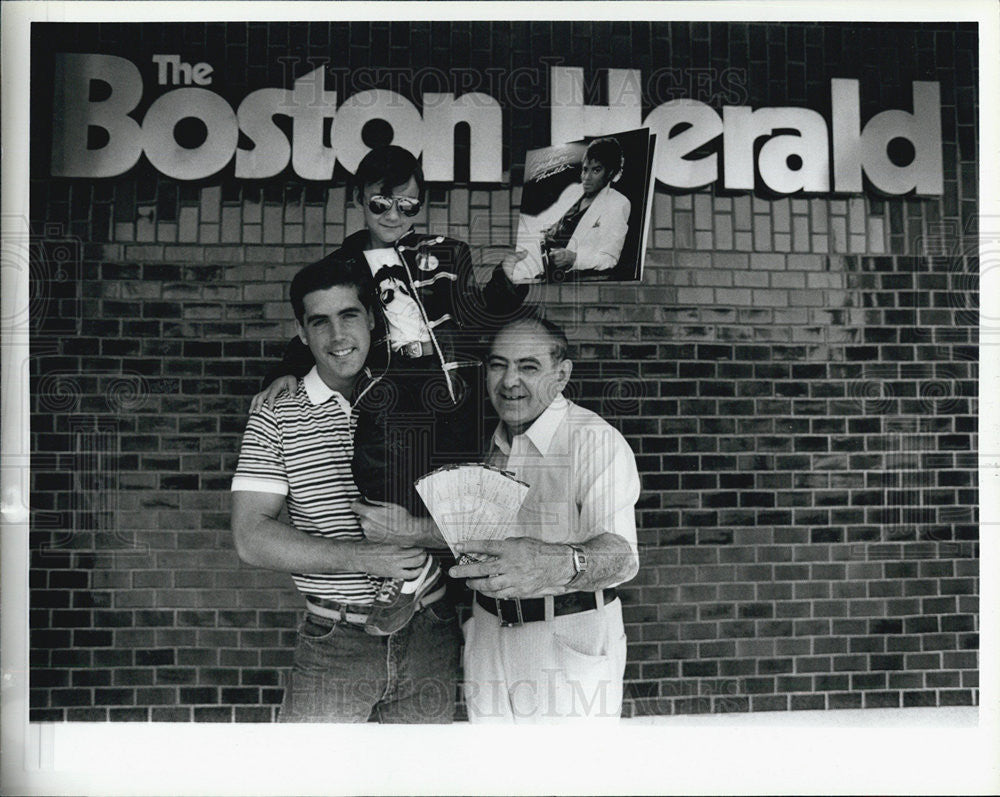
(302, 449)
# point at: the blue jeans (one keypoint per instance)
(342, 674)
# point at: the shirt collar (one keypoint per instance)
(541, 432)
(317, 390)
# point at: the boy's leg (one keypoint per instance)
(392, 441)
(460, 426)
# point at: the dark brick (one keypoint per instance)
(807, 702)
(87, 678)
(943, 679)
(737, 667)
(272, 696)
(885, 626)
(794, 683)
(114, 697)
(220, 714)
(881, 699)
(240, 695)
(86, 714)
(170, 714)
(844, 700)
(704, 669)
(133, 677)
(893, 662)
(861, 681)
(955, 697)
(92, 639)
(920, 625)
(756, 686)
(641, 689)
(692, 705)
(199, 694)
(70, 697)
(176, 675)
(830, 683)
(906, 680)
(769, 703)
(128, 714)
(252, 714)
(156, 696)
(154, 657)
(218, 676)
(60, 658)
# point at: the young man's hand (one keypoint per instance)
(391, 523)
(392, 561)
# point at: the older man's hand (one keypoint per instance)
(518, 567)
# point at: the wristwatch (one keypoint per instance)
(579, 563)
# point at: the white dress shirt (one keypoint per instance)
(582, 475)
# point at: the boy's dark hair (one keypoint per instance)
(388, 167)
(334, 269)
(608, 152)
(559, 349)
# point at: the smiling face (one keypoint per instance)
(522, 377)
(594, 176)
(385, 229)
(337, 329)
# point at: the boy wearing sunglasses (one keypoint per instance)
(426, 410)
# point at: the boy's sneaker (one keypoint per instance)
(398, 600)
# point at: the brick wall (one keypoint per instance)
(797, 378)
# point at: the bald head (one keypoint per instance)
(542, 329)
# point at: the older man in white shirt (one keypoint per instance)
(546, 640)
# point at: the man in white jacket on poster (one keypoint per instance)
(591, 231)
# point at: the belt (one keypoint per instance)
(531, 610)
(416, 349)
(357, 613)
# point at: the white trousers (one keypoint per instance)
(567, 668)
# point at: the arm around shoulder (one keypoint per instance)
(297, 361)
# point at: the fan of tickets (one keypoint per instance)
(472, 502)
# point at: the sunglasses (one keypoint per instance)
(379, 204)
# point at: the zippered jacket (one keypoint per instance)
(454, 308)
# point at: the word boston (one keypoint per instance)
(796, 156)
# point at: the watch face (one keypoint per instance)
(579, 560)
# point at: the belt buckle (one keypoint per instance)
(504, 622)
(412, 350)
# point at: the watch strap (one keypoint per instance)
(579, 563)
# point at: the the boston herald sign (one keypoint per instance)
(801, 150)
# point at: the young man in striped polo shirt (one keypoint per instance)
(298, 455)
